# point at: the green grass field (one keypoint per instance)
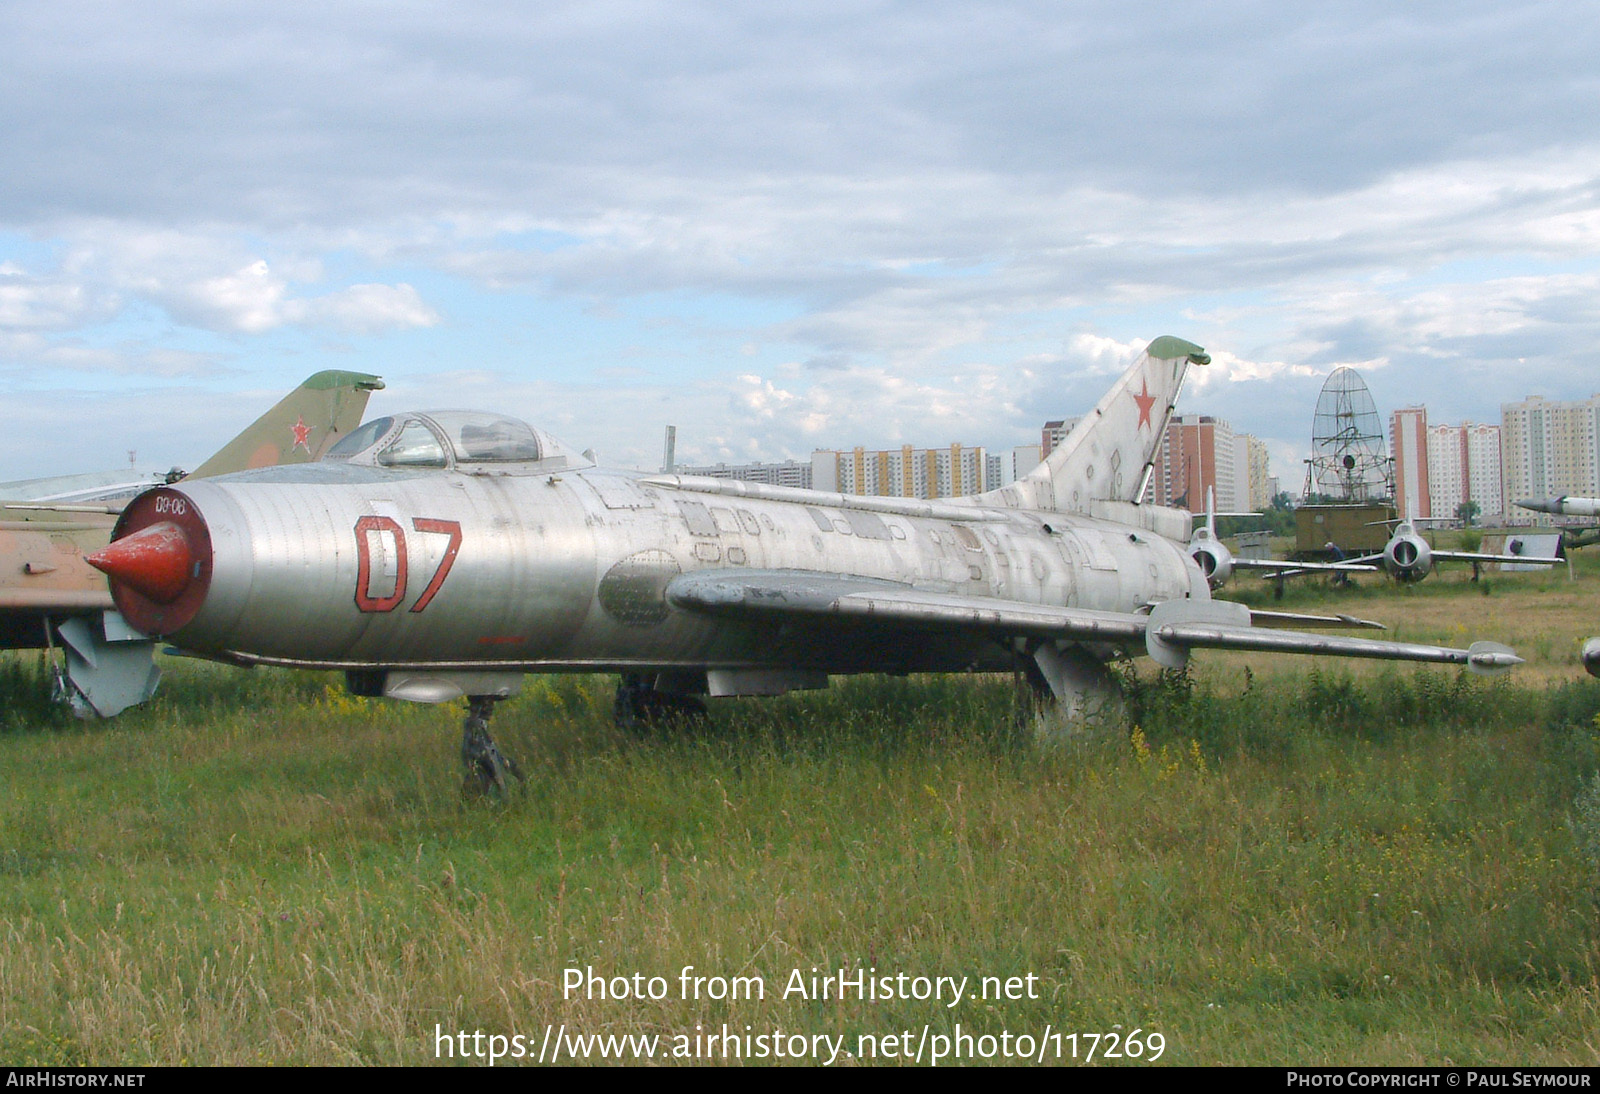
(1299, 863)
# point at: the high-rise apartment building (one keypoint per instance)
(1438, 468)
(1408, 441)
(1464, 466)
(1196, 454)
(1550, 448)
(1252, 482)
(1485, 469)
(1054, 433)
(1447, 470)
(1024, 458)
(903, 473)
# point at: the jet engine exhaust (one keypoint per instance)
(1408, 556)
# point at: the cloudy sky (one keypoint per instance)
(785, 226)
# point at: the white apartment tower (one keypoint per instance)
(1485, 478)
(901, 472)
(1463, 466)
(1252, 481)
(1550, 448)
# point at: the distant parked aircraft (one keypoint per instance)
(50, 596)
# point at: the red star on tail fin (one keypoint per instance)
(1146, 401)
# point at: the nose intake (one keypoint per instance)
(158, 562)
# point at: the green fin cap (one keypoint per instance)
(1167, 347)
(332, 378)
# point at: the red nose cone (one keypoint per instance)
(159, 561)
(156, 561)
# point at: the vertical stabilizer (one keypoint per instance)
(301, 427)
(1109, 455)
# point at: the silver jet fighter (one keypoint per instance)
(1563, 506)
(1218, 563)
(1409, 557)
(434, 556)
(1573, 536)
(1566, 506)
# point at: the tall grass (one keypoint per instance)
(1376, 868)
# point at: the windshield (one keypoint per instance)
(416, 446)
(362, 438)
(471, 440)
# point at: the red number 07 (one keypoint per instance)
(365, 601)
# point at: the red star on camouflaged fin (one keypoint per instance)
(302, 434)
(1145, 401)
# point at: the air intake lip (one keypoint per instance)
(158, 562)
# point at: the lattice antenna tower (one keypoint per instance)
(1349, 455)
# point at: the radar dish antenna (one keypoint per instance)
(1348, 455)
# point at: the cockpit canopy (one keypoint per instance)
(467, 440)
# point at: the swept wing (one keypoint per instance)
(1168, 631)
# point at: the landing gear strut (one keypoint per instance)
(640, 706)
(487, 768)
(1031, 695)
(1081, 688)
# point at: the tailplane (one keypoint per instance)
(303, 426)
(1111, 452)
